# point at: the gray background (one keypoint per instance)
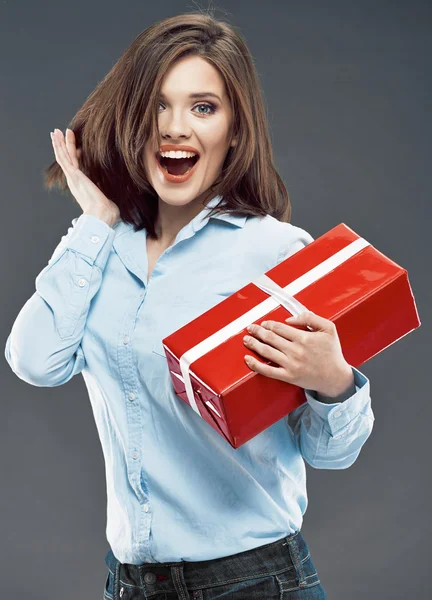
(348, 90)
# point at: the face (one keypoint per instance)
(202, 123)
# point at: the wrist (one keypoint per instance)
(343, 386)
(104, 216)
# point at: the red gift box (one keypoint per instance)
(339, 276)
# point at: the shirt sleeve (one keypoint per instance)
(294, 239)
(329, 433)
(44, 345)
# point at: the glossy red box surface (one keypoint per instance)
(368, 297)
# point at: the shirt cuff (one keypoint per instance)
(339, 414)
(92, 238)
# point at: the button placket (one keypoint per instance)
(134, 416)
(133, 408)
(133, 412)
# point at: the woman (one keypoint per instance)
(188, 516)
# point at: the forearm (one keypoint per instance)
(43, 347)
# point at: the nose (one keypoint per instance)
(175, 126)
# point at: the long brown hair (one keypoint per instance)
(121, 114)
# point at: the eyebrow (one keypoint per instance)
(197, 95)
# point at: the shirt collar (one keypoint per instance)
(129, 246)
(199, 220)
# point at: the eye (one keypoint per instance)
(209, 105)
(212, 107)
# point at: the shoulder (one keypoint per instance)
(279, 239)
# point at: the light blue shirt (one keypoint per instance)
(176, 490)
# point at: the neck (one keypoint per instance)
(171, 219)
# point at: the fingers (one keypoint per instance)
(71, 147)
(264, 369)
(288, 332)
(276, 355)
(278, 334)
(61, 153)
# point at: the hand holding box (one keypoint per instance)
(339, 276)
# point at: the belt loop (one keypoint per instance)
(116, 581)
(179, 582)
(295, 558)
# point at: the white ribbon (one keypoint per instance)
(278, 296)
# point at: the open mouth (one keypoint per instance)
(177, 166)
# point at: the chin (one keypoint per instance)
(176, 201)
(180, 197)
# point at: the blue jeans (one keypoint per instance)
(277, 571)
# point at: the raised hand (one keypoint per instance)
(86, 193)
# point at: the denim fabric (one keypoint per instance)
(282, 569)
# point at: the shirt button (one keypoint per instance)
(131, 396)
(94, 239)
(148, 560)
(338, 413)
(146, 507)
(82, 282)
(135, 455)
(126, 340)
(121, 591)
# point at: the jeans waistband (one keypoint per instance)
(271, 559)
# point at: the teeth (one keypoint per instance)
(177, 154)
